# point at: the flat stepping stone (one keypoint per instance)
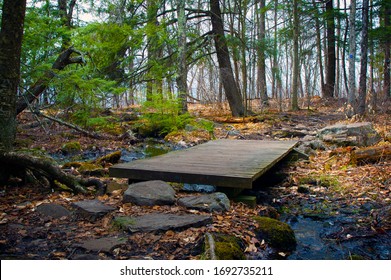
(161, 221)
(105, 244)
(91, 210)
(53, 210)
(215, 202)
(150, 193)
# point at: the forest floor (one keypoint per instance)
(347, 203)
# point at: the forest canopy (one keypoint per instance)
(132, 50)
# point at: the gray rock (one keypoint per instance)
(105, 244)
(356, 134)
(53, 210)
(199, 188)
(91, 210)
(150, 193)
(161, 221)
(216, 202)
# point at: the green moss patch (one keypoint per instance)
(226, 247)
(278, 234)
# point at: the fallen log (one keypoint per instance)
(370, 154)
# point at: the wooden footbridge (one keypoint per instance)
(223, 163)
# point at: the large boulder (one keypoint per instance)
(150, 193)
(355, 134)
(215, 202)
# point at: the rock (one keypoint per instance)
(199, 188)
(109, 158)
(216, 202)
(91, 169)
(53, 210)
(356, 134)
(71, 148)
(150, 193)
(287, 133)
(161, 221)
(114, 186)
(91, 210)
(222, 247)
(105, 244)
(278, 234)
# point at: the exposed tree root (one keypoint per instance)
(13, 162)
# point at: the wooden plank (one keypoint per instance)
(223, 163)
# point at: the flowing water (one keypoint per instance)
(319, 237)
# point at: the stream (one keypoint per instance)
(320, 236)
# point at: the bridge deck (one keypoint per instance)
(223, 163)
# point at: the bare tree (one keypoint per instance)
(226, 74)
(362, 94)
(352, 60)
(331, 56)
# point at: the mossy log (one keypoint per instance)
(43, 167)
(370, 154)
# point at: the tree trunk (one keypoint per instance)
(295, 87)
(352, 60)
(63, 60)
(364, 60)
(262, 88)
(331, 56)
(319, 48)
(11, 36)
(65, 12)
(387, 49)
(223, 57)
(182, 63)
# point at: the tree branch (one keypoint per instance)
(63, 60)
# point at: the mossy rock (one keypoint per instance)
(91, 169)
(226, 247)
(278, 234)
(71, 148)
(74, 164)
(109, 158)
(123, 222)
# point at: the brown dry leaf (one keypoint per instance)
(170, 234)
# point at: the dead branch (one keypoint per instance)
(75, 127)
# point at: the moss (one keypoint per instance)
(91, 169)
(71, 147)
(278, 234)
(227, 247)
(74, 164)
(326, 181)
(109, 158)
(123, 222)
